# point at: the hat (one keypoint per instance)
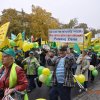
(10, 52)
(31, 52)
(63, 48)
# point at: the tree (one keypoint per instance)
(93, 31)
(72, 23)
(11, 15)
(18, 20)
(84, 26)
(41, 22)
(98, 31)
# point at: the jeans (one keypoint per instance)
(62, 91)
(32, 84)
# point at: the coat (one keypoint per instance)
(68, 79)
(82, 67)
(32, 65)
(22, 81)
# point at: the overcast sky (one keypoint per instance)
(86, 11)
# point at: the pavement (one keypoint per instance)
(93, 92)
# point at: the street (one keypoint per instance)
(93, 92)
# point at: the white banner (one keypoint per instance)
(66, 35)
(97, 35)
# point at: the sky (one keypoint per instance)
(86, 11)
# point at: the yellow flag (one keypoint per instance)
(96, 41)
(3, 31)
(19, 40)
(5, 43)
(87, 40)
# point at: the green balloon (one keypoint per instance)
(12, 43)
(94, 72)
(48, 80)
(98, 54)
(40, 70)
(35, 45)
(97, 47)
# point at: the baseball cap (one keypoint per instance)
(10, 52)
(31, 52)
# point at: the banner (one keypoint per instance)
(3, 31)
(66, 35)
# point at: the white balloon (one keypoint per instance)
(91, 67)
(42, 78)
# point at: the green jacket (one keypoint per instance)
(32, 65)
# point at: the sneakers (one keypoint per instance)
(80, 90)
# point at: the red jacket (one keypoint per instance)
(22, 81)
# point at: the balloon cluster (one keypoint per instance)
(94, 70)
(28, 45)
(80, 78)
(44, 75)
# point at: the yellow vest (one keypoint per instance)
(13, 79)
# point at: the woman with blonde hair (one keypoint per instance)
(83, 64)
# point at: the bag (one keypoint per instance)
(1, 93)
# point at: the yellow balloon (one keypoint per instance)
(25, 47)
(31, 45)
(81, 78)
(46, 71)
(40, 99)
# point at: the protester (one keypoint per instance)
(16, 50)
(12, 77)
(62, 77)
(42, 57)
(82, 67)
(50, 57)
(32, 65)
(19, 58)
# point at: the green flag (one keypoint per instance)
(23, 36)
(76, 48)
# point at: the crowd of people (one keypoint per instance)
(19, 70)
